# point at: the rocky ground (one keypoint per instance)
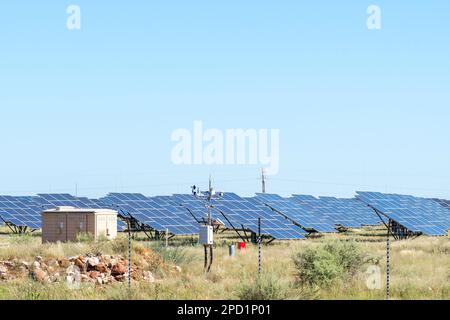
(96, 269)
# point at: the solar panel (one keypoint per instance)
(296, 212)
(20, 211)
(444, 203)
(418, 215)
(198, 210)
(49, 201)
(244, 213)
(345, 212)
(155, 213)
(273, 223)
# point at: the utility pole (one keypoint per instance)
(263, 180)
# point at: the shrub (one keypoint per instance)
(85, 237)
(24, 239)
(264, 287)
(324, 264)
(173, 255)
(120, 245)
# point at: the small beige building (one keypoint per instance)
(64, 224)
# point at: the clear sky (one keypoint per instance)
(357, 109)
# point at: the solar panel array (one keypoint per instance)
(20, 211)
(155, 213)
(350, 213)
(418, 215)
(181, 213)
(296, 212)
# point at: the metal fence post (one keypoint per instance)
(388, 267)
(259, 247)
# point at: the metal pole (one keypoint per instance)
(388, 265)
(259, 247)
(129, 255)
(263, 179)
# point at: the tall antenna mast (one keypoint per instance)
(263, 180)
(210, 195)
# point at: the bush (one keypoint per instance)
(120, 246)
(85, 237)
(24, 239)
(173, 255)
(264, 287)
(324, 264)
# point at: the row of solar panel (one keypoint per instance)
(282, 218)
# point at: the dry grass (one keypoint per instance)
(420, 269)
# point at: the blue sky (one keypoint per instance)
(357, 109)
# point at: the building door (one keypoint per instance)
(61, 228)
(101, 226)
(77, 224)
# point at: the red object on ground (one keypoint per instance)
(242, 245)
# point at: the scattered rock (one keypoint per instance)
(64, 263)
(3, 272)
(99, 281)
(36, 265)
(86, 279)
(96, 269)
(118, 270)
(93, 262)
(39, 275)
(53, 263)
(80, 264)
(101, 267)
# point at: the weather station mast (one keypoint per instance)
(206, 231)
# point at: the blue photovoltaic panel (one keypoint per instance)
(345, 212)
(155, 213)
(244, 214)
(197, 208)
(294, 211)
(273, 223)
(20, 211)
(419, 215)
(444, 203)
(51, 201)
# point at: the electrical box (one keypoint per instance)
(206, 235)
